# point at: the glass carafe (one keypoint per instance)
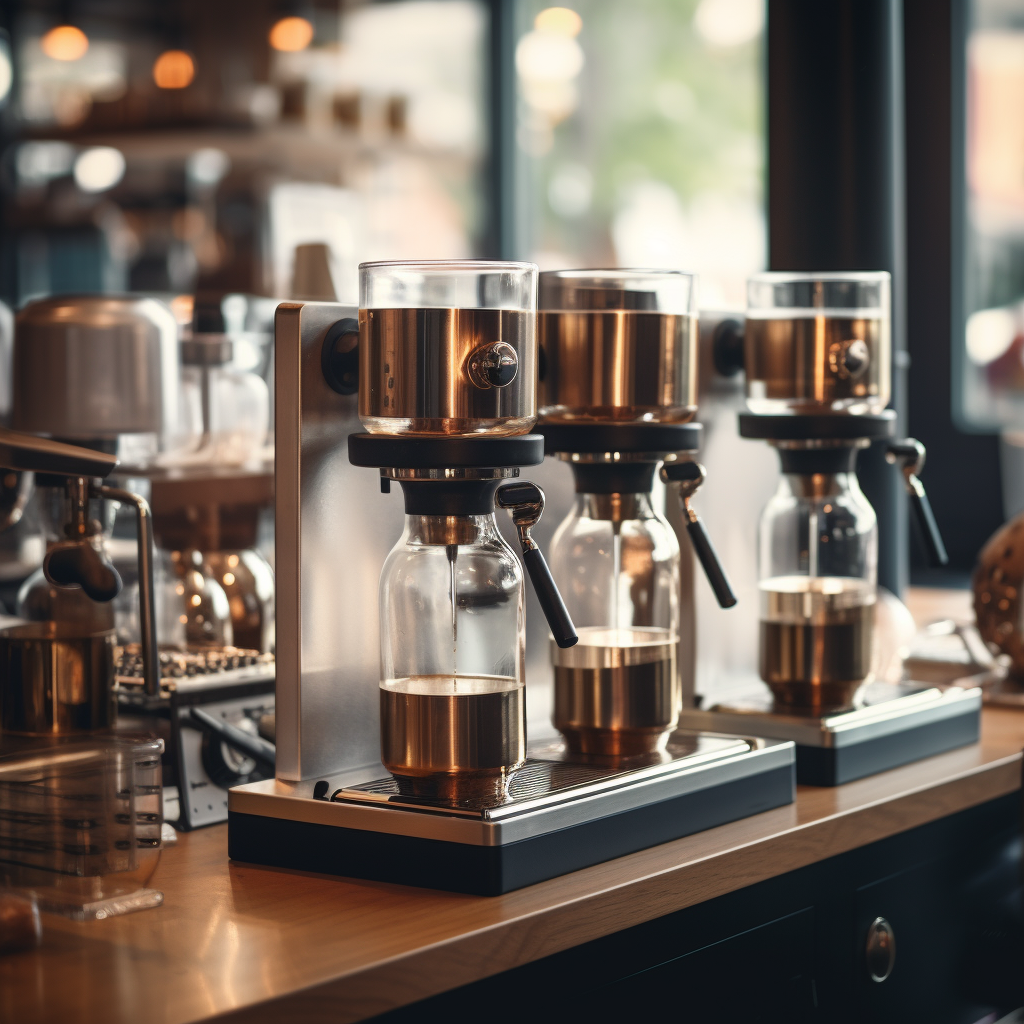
(616, 562)
(818, 553)
(453, 717)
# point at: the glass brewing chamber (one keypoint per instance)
(818, 343)
(618, 345)
(616, 563)
(818, 553)
(447, 348)
(452, 692)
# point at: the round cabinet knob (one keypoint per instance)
(849, 358)
(880, 953)
(494, 365)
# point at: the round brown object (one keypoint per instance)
(20, 926)
(997, 584)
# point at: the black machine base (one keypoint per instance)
(492, 870)
(832, 766)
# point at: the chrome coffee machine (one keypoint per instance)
(816, 355)
(443, 359)
(105, 372)
(618, 398)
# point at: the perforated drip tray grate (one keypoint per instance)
(551, 776)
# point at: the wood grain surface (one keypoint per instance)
(255, 944)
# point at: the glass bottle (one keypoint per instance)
(616, 563)
(452, 692)
(818, 555)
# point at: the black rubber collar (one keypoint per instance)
(388, 451)
(620, 437)
(825, 427)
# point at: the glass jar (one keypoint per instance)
(818, 343)
(619, 345)
(452, 692)
(818, 554)
(448, 347)
(615, 561)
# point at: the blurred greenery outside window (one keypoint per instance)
(640, 137)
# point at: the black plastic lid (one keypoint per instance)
(620, 437)
(449, 497)
(613, 477)
(837, 426)
(390, 451)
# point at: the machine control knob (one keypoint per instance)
(880, 952)
(849, 358)
(494, 365)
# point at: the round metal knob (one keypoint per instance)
(494, 365)
(849, 358)
(880, 952)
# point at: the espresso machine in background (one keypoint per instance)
(429, 677)
(80, 796)
(815, 350)
(106, 372)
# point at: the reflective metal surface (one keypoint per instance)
(618, 365)
(892, 709)
(92, 366)
(447, 371)
(617, 692)
(56, 680)
(555, 796)
(837, 361)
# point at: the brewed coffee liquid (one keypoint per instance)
(617, 691)
(618, 365)
(816, 637)
(806, 362)
(434, 726)
(414, 371)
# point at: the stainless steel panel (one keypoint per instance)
(840, 730)
(293, 802)
(94, 366)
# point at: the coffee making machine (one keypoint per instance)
(443, 359)
(105, 372)
(80, 799)
(816, 352)
(618, 401)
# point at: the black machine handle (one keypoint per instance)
(526, 503)
(251, 746)
(690, 476)
(909, 455)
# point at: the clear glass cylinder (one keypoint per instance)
(818, 342)
(448, 347)
(618, 345)
(818, 555)
(452, 641)
(616, 563)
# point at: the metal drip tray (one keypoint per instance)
(560, 815)
(890, 725)
(550, 777)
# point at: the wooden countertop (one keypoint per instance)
(258, 944)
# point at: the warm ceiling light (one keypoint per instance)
(558, 21)
(174, 69)
(64, 42)
(291, 34)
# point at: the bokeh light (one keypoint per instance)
(558, 21)
(99, 168)
(64, 42)
(174, 69)
(291, 34)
